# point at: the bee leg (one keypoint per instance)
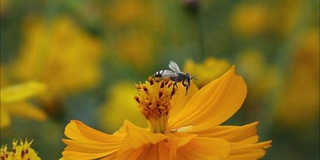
(187, 87)
(174, 85)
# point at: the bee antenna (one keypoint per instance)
(194, 77)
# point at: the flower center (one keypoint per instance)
(22, 151)
(154, 102)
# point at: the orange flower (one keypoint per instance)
(184, 127)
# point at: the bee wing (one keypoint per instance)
(168, 74)
(173, 65)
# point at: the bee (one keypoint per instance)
(175, 75)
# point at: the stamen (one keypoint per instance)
(151, 80)
(154, 98)
(145, 88)
(138, 87)
(162, 84)
(136, 98)
(160, 93)
(22, 153)
(170, 84)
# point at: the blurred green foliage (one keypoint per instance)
(82, 49)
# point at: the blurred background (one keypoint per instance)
(90, 55)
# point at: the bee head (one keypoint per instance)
(192, 77)
(188, 78)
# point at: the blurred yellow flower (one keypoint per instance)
(119, 107)
(3, 75)
(138, 40)
(136, 45)
(13, 101)
(184, 127)
(299, 105)
(60, 55)
(285, 23)
(132, 11)
(261, 78)
(259, 75)
(135, 13)
(4, 7)
(19, 152)
(206, 71)
(250, 19)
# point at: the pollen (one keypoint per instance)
(153, 100)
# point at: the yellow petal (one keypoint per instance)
(88, 143)
(26, 110)
(244, 134)
(204, 148)
(160, 151)
(77, 130)
(131, 153)
(137, 137)
(72, 155)
(213, 104)
(21, 92)
(142, 144)
(150, 153)
(163, 150)
(5, 120)
(177, 140)
(248, 151)
(110, 157)
(179, 99)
